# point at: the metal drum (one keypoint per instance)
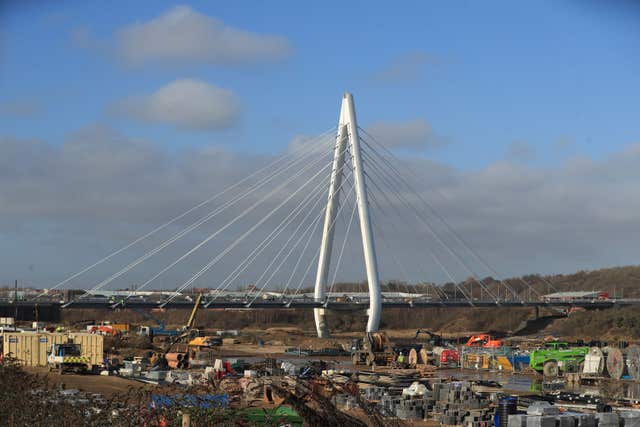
(424, 357)
(633, 361)
(615, 362)
(413, 357)
(594, 362)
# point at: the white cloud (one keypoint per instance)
(405, 68)
(64, 206)
(411, 134)
(186, 104)
(183, 35)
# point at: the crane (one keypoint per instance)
(194, 312)
(188, 333)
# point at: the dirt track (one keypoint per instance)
(107, 386)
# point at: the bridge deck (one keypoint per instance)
(333, 305)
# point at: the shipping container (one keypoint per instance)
(121, 327)
(32, 349)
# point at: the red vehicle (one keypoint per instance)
(484, 341)
(103, 330)
(448, 357)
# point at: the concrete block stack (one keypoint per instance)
(566, 421)
(541, 414)
(373, 393)
(344, 401)
(388, 404)
(630, 419)
(456, 404)
(607, 419)
(412, 409)
(542, 408)
(541, 421)
(517, 420)
(586, 420)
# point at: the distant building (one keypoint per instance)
(575, 296)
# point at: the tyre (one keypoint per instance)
(550, 369)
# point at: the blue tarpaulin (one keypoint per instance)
(203, 401)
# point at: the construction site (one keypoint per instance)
(520, 352)
(156, 373)
(199, 228)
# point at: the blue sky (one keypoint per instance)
(523, 115)
(493, 73)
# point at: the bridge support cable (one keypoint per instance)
(273, 273)
(216, 259)
(399, 215)
(316, 223)
(306, 233)
(304, 251)
(376, 171)
(441, 293)
(456, 235)
(385, 242)
(255, 226)
(394, 186)
(175, 219)
(196, 224)
(341, 216)
(403, 270)
(344, 244)
(280, 251)
(375, 217)
(241, 268)
(309, 230)
(317, 254)
(457, 285)
(213, 235)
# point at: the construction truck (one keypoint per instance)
(375, 349)
(557, 357)
(67, 357)
(159, 331)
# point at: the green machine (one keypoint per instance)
(557, 357)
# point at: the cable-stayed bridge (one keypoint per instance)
(285, 217)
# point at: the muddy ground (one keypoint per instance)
(107, 386)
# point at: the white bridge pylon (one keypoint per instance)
(348, 134)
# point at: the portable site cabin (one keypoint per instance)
(32, 349)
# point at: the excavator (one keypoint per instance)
(484, 341)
